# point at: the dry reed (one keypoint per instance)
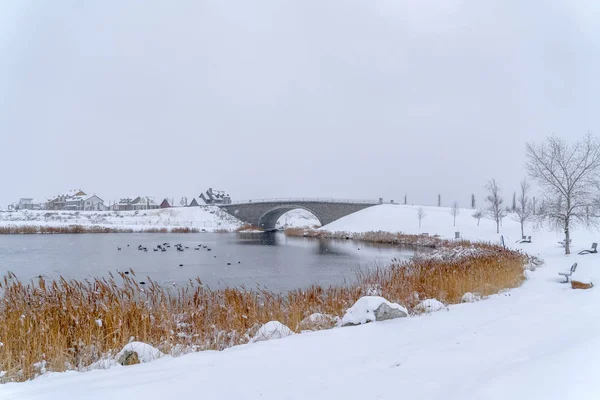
(69, 325)
(76, 229)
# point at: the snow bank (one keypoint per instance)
(272, 330)
(372, 308)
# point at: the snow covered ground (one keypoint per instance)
(209, 218)
(539, 341)
(298, 219)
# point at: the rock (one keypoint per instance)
(270, 331)
(128, 358)
(470, 297)
(372, 308)
(317, 322)
(143, 353)
(581, 285)
(430, 305)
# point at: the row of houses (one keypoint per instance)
(78, 200)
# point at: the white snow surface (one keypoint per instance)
(298, 219)
(270, 331)
(538, 341)
(146, 353)
(363, 311)
(209, 218)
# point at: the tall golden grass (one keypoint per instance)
(72, 324)
(248, 227)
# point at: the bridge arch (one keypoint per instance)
(268, 220)
(265, 213)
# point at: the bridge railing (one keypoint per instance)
(304, 200)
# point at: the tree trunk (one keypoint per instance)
(497, 226)
(478, 220)
(567, 237)
(522, 230)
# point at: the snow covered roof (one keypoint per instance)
(92, 196)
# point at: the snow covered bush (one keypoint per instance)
(429, 306)
(470, 297)
(272, 330)
(317, 322)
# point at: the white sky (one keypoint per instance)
(345, 99)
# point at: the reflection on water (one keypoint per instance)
(270, 260)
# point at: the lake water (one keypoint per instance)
(274, 261)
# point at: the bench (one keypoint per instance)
(592, 251)
(568, 274)
(526, 239)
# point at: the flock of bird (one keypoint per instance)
(179, 247)
(163, 247)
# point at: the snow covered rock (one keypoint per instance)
(470, 297)
(372, 308)
(270, 331)
(430, 305)
(128, 358)
(318, 321)
(137, 352)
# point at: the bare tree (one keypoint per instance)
(439, 200)
(454, 211)
(420, 215)
(495, 210)
(473, 200)
(405, 199)
(523, 210)
(568, 175)
(478, 215)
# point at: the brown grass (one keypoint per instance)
(55, 321)
(248, 227)
(372, 237)
(74, 229)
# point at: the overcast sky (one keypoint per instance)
(344, 99)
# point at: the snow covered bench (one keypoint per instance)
(526, 239)
(564, 243)
(568, 274)
(592, 251)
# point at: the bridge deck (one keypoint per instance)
(302, 200)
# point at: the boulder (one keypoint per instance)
(270, 331)
(138, 352)
(429, 306)
(372, 308)
(317, 322)
(128, 358)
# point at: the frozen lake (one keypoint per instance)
(273, 260)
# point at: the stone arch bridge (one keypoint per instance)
(265, 213)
